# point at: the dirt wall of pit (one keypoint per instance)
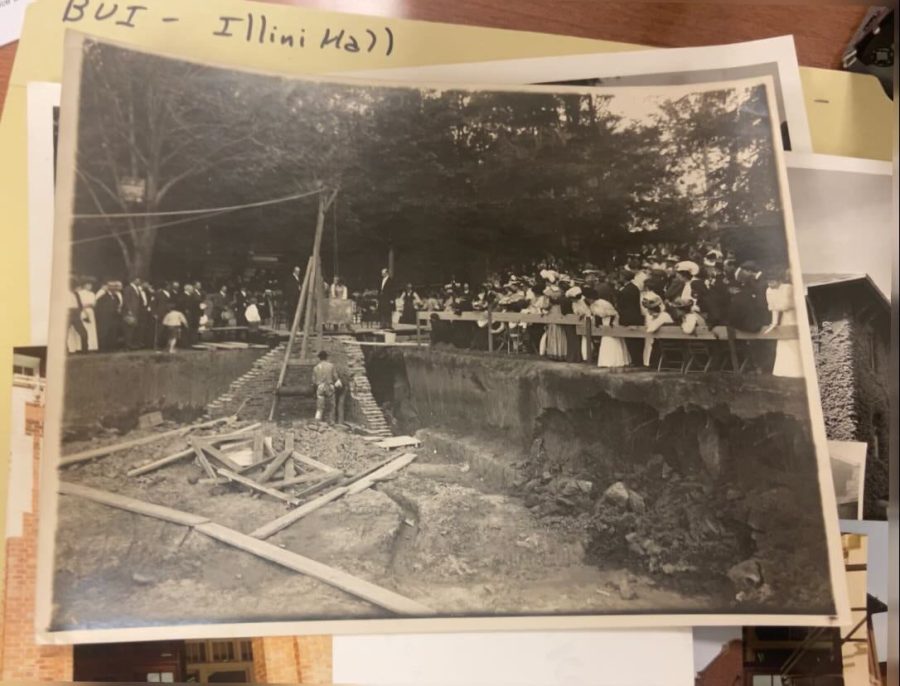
(115, 389)
(725, 463)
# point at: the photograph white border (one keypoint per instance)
(54, 408)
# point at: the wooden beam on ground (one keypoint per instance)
(294, 481)
(333, 577)
(201, 458)
(355, 586)
(398, 442)
(219, 456)
(162, 462)
(85, 455)
(244, 481)
(294, 515)
(383, 473)
(329, 480)
(315, 464)
(261, 463)
(368, 477)
(274, 465)
(237, 433)
(125, 503)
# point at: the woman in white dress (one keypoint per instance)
(780, 299)
(555, 344)
(613, 351)
(82, 333)
(88, 300)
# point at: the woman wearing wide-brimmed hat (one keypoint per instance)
(555, 346)
(613, 351)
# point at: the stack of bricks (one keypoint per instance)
(21, 658)
(253, 391)
(361, 390)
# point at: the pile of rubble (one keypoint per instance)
(648, 517)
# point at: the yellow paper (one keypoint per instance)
(849, 114)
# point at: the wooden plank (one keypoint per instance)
(219, 456)
(394, 466)
(333, 577)
(294, 515)
(237, 433)
(294, 480)
(298, 563)
(330, 480)
(290, 470)
(244, 481)
(85, 455)
(162, 462)
(398, 442)
(261, 463)
(131, 505)
(315, 464)
(201, 458)
(257, 446)
(242, 457)
(235, 444)
(346, 484)
(274, 465)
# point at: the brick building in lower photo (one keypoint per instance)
(290, 659)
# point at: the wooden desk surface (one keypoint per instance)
(821, 32)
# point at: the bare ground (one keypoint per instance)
(436, 533)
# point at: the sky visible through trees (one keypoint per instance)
(446, 177)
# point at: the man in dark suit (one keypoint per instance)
(132, 314)
(291, 289)
(109, 316)
(386, 299)
(631, 314)
(241, 298)
(749, 312)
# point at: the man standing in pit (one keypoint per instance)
(325, 383)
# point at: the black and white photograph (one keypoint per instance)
(775, 57)
(847, 278)
(467, 357)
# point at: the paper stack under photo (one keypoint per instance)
(539, 359)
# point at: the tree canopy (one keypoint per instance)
(452, 180)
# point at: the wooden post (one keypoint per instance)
(291, 338)
(490, 332)
(315, 291)
(732, 349)
(418, 329)
(589, 333)
(320, 310)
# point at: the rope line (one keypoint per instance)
(173, 213)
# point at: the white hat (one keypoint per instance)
(574, 292)
(651, 299)
(687, 266)
(603, 308)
